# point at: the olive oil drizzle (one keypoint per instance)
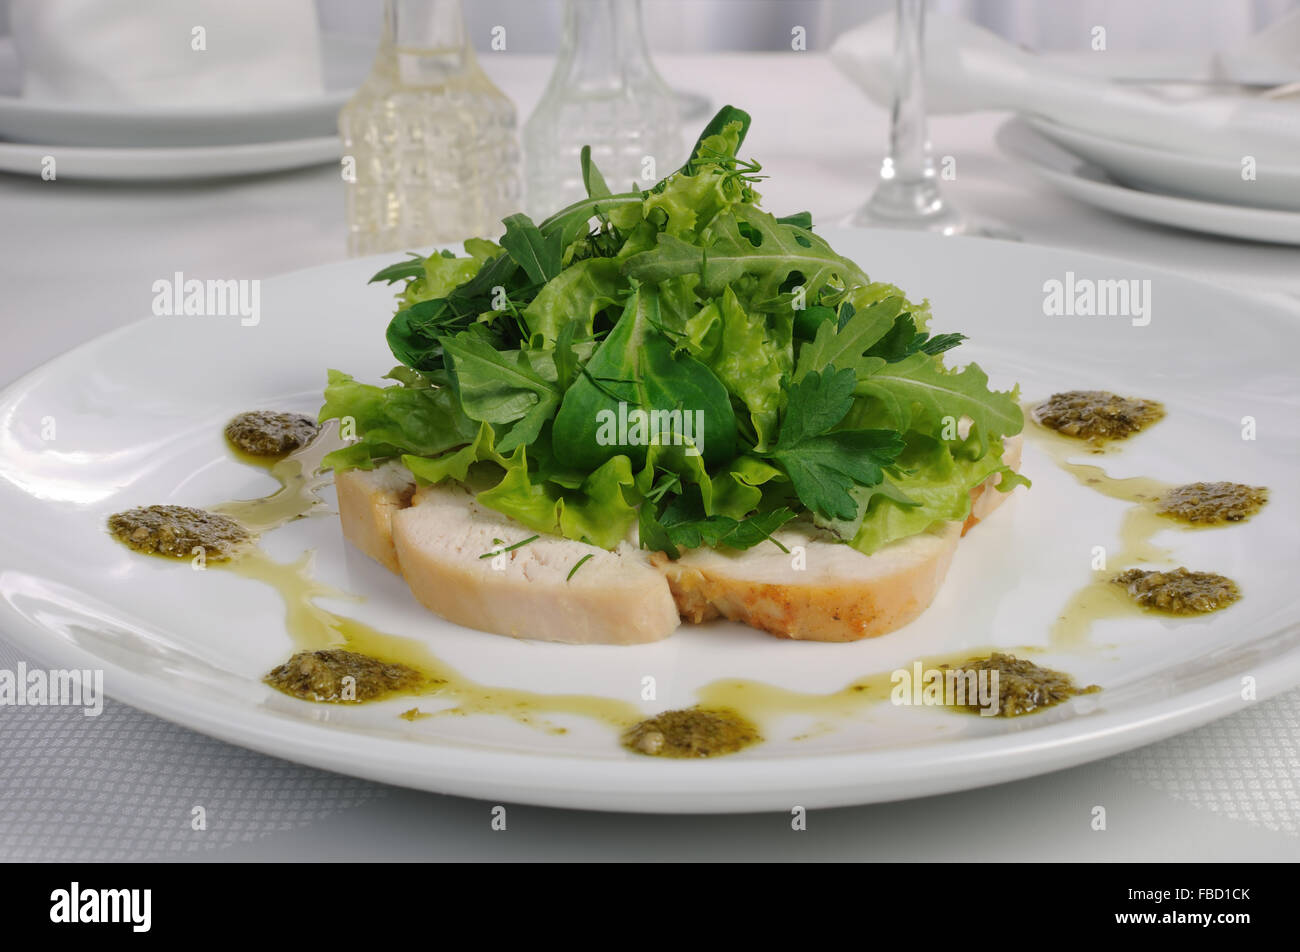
(1101, 599)
(300, 477)
(312, 628)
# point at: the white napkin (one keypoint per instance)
(968, 68)
(144, 52)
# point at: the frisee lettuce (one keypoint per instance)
(823, 395)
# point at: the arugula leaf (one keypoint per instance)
(635, 365)
(844, 345)
(824, 465)
(917, 392)
(566, 356)
(411, 268)
(539, 255)
(501, 387)
(592, 180)
(747, 241)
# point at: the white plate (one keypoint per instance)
(162, 165)
(1086, 182)
(345, 61)
(1174, 173)
(137, 419)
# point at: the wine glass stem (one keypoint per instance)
(909, 145)
(908, 187)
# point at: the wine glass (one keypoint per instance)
(908, 194)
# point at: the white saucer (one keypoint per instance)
(160, 165)
(345, 61)
(1175, 173)
(1086, 182)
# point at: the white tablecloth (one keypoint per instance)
(78, 259)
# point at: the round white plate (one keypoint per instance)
(135, 418)
(1086, 182)
(162, 165)
(345, 61)
(1174, 173)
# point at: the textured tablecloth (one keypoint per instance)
(78, 259)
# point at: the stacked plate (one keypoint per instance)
(1199, 193)
(153, 143)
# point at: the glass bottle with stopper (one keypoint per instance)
(604, 92)
(430, 147)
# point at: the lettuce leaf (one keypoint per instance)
(425, 421)
(455, 464)
(749, 353)
(933, 486)
(444, 272)
(598, 512)
(576, 294)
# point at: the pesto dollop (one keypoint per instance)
(693, 732)
(176, 531)
(320, 676)
(1211, 504)
(270, 433)
(1097, 416)
(1179, 592)
(1024, 687)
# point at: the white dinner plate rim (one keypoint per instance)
(1177, 174)
(165, 112)
(169, 163)
(1262, 225)
(1045, 126)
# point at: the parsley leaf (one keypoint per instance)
(904, 340)
(824, 464)
(683, 525)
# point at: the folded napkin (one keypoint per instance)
(968, 68)
(144, 52)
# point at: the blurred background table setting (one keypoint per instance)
(254, 138)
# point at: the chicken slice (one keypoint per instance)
(823, 590)
(614, 597)
(367, 500)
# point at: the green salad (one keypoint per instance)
(681, 362)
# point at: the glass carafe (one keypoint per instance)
(431, 141)
(604, 92)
